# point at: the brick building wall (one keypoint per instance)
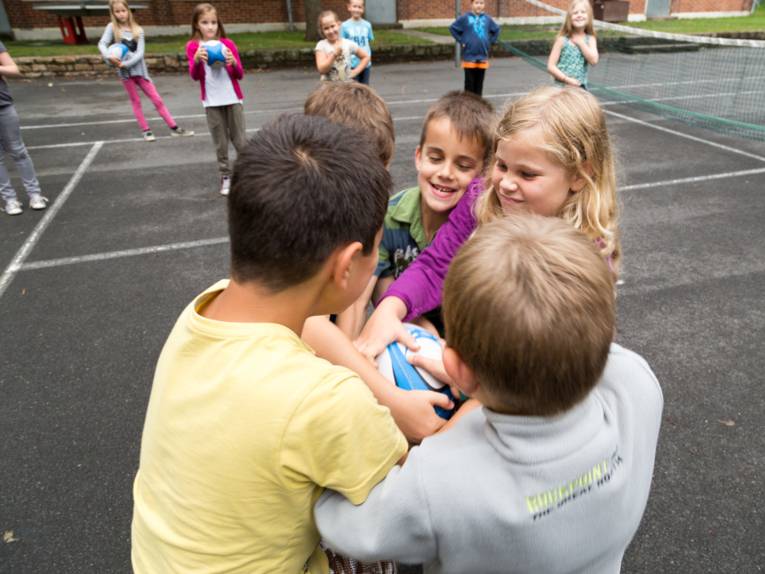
(178, 12)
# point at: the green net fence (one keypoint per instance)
(717, 83)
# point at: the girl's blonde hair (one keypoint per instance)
(567, 28)
(573, 128)
(199, 11)
(135, 29)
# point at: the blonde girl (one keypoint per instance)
(123, 29)
(575, 47)
(552, 156)
(333, 53)
(219, 86)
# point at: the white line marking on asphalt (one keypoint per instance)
(686, 136)
(693, 179)
(50, 213)
(122, 253)
(47, 263)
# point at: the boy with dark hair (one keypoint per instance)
(563, 449)
(245, 426)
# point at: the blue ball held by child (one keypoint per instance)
(215, 56)
(394, 366)
(118, 51)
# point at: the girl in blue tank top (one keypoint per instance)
(575, 46)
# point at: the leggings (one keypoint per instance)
(131, 87)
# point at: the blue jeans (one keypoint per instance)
(363, 77)
(12, 145)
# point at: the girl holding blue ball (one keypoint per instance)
(214, 63)
(122, 46)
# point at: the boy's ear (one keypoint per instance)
(417, 157)
(462, 375)
(342, 262)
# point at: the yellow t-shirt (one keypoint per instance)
(245, 428)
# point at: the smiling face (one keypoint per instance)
(580, 15)
(208, 25)
(478, 6)
(525, 177)
(356, 9)
(330, 28)
(120, 12)
(445, 165)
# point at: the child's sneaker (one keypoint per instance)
(148, 136)
(13, 207)
(37, 201)
(178, 131)
(225, 185)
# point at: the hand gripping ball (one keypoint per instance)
(215, 56)
(118, 51)
(394, 366)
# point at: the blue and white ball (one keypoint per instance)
(119, 51)
(215, 56)
(394, 366)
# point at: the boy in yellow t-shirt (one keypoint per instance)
(246, 426)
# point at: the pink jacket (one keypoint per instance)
(197, 69)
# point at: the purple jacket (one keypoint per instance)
(197, 69)
(420, 287)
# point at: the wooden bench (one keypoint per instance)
(70, 13)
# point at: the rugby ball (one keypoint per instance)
(393, 364)
(215, 56)
(118, 51)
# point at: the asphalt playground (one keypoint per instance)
(90, 288)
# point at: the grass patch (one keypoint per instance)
(176, 44)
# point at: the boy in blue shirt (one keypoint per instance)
(358, 30)
(475, 31)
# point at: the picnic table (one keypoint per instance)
(70, 13)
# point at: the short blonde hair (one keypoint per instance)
(574, 130)
(135, 29)
(529, 307)
(358, 106)
(567, 27)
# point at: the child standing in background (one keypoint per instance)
(575, 46)
(359, 30)
(475, 31)
(333, 53)
(123, 29)
(221, 95)
(13, 145)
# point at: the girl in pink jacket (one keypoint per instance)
(214, 62)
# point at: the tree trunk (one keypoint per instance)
(312, 11)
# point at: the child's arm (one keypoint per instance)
(493, 31)
(418, 289)
(197, 56)
(324, 60)
(457, 28)
(103, 44)
(136, 56)
(552, 63)
(589, 48)
(394, 522)
(363, 57)
(412, 410)
(352, 319)
(233, 60)
(8, 68)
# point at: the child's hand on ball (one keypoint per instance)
(201, 54)
(229, 55)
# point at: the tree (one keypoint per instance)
(312, 11)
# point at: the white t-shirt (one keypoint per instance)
(219, 90)
(341, 67)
